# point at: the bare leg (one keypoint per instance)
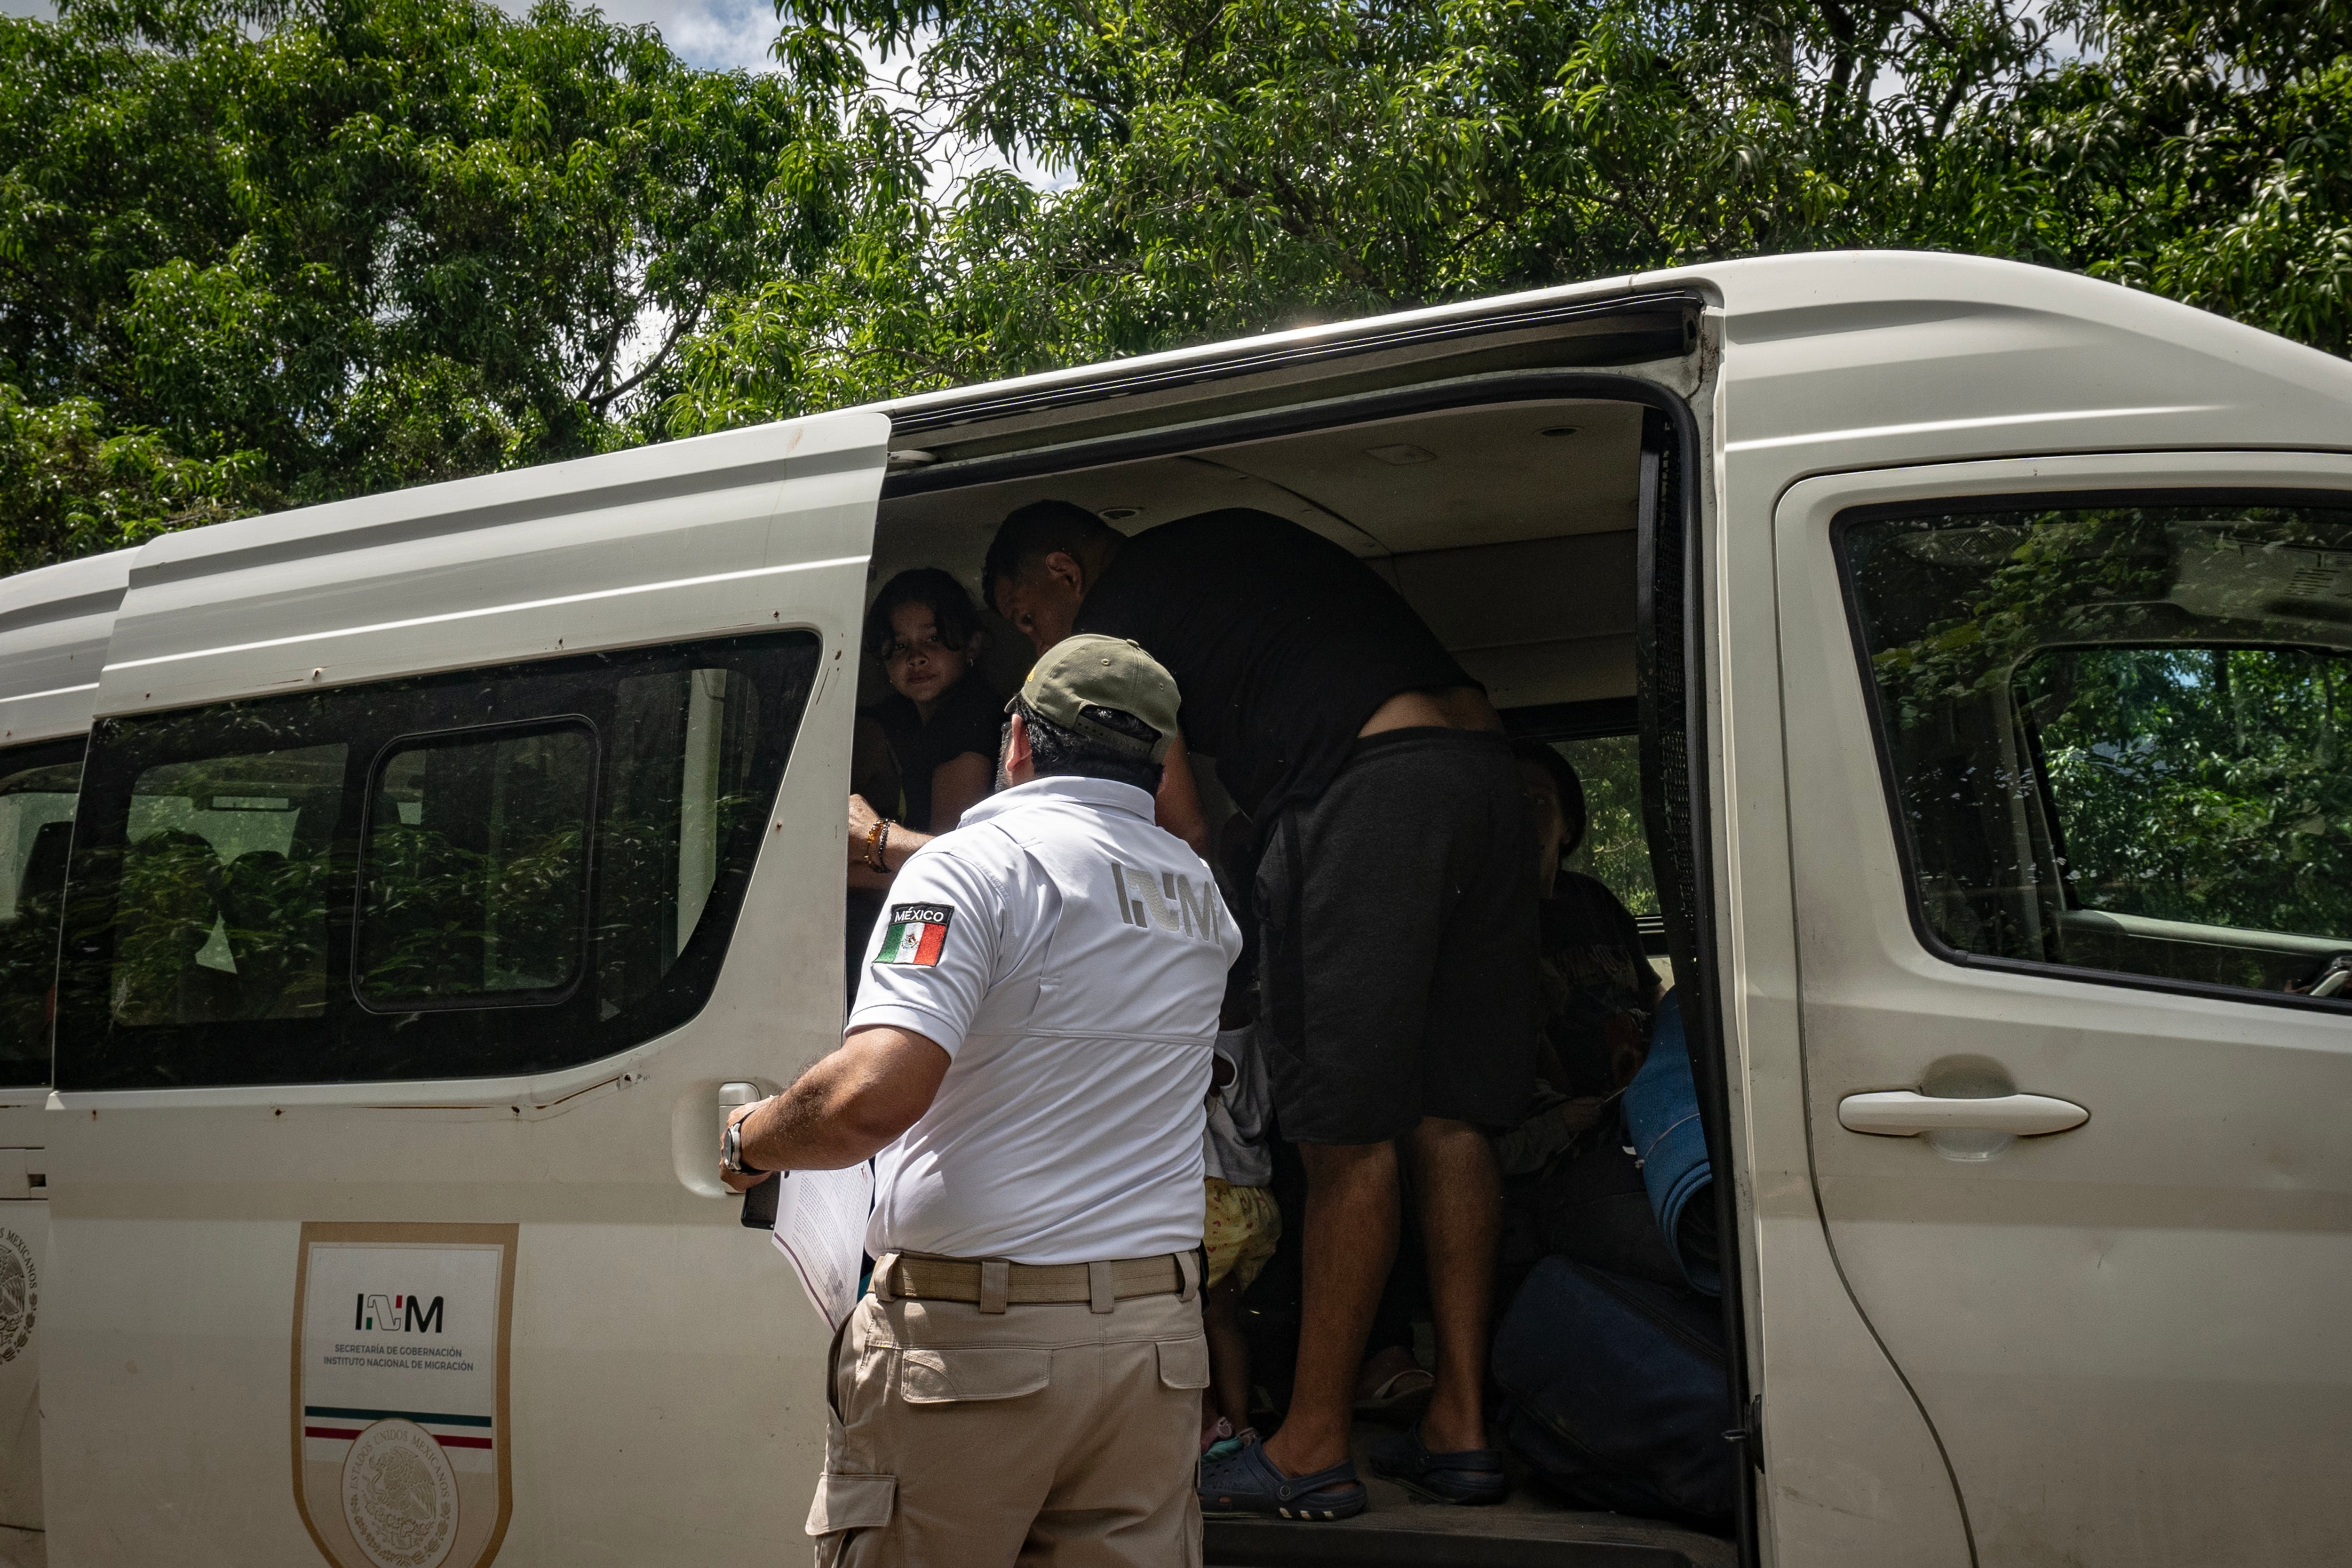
(1349, 1240)
(1229, 1376)
(1460, 1194)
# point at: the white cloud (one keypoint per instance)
(715, 34)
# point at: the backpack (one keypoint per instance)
(1616, 1391)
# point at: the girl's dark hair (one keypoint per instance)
(1572, 789)
(951, 608)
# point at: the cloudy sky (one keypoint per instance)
(714, 33)
(718, 35)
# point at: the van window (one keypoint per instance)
(495, 872)
(474, 877)
(37, 784)
(225, 881)
(1616, 849)
(2111, 734)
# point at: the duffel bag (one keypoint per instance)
(1616, 1391)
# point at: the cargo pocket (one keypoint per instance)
(974, 1373)
(851, 1503)
(1184, 1364)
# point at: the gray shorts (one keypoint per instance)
(1397, 914)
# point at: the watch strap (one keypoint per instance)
(730, 1150)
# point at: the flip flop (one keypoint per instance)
(1401, 1399)
(1471, 1477)
(1245, 1484)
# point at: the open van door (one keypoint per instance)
(439, 857)
(2071, 836)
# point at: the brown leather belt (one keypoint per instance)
(993, 1283)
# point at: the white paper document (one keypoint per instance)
(821, 1231)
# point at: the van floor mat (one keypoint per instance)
(1399, 1529)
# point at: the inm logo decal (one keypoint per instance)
(396, 1314)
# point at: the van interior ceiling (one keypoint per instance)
(1512, 528)
(1509, 527)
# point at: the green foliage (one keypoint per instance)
(68, 487)
(1616, 849)
(1238, 164)
(278, 253)
(2198, 151)
(2202, 784)
(1234, 165)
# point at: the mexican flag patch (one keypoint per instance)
(917, 933)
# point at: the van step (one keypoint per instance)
(1410, 1533)
(1419, 1535)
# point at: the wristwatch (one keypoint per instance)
(731, 1149)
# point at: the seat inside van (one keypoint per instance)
(1511, 527)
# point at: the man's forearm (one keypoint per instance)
(848, 1106)
(801, 1129)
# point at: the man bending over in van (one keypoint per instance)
(1029, 1054)
(1396, 899)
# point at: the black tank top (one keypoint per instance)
(1282, 645)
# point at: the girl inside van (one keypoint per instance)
(941, 720)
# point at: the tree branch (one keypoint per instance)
(678, 329)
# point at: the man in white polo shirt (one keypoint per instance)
(1029, 1054)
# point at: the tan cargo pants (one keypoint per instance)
(1046, 1434)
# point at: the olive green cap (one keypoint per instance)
(1090, 671)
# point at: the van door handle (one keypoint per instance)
(1904, 1113)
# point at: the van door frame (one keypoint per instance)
(1672, 683)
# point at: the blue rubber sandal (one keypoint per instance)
(1471, 1477)
(1247, 1485)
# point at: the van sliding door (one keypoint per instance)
(439, 857)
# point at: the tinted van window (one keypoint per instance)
(38, 786)
(226, 871)
(2113, 734)
(473, 875)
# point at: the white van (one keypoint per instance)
(1983, 633)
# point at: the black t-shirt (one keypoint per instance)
(1282, 645)
(1598, 987)
(969, 718)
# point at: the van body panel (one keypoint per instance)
(2125, 1334)
(609, 552)
(1868, 359)
(661, 1366)
(54, 625)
